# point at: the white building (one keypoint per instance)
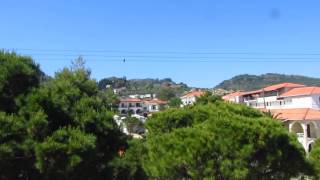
(235, 97)
(143, 96)
(296, 105)
(140, 106)
(154, 105)
(130, 106)
(190, 97)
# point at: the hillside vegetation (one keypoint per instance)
(251, 82)
(142, 86)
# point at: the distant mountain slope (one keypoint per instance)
(142, 86)
(251, 82)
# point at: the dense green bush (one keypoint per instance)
(221, 141)
(60, 129)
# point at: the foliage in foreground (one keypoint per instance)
(314, 157)
(60, 129)
(221, 141)
(63, 129)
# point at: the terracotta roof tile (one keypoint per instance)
(252, 92)
(274, 87)
(296, 114)
(193, 94)
(232, 95)
(130, 100)
(282, 85)
(302, 91)
(155, 101)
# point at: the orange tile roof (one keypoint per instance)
(130, 100)
(193, 94)
(302, 91)
(282, 85)
(274, 87)
(155, 101)
(252, 92)
(296, 114)
(231, 95)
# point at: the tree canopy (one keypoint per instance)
(314, 157)
(175, 102)
(61, 129)
(18, 75)
(221, 141)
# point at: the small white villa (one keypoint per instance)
(296, 105)
(190, 97)
(130, 106)
(140, 106)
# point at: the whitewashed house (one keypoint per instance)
(190, 97)
(140, 106)
(235, 97)
(298, 106)
(154, 105)
(130, 106)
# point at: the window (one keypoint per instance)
(308, 131)
(154, 107)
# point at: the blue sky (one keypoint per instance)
(190, 41)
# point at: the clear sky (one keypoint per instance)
(199, 42)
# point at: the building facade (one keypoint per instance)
(296, 105)
(140, 106)
(190, 98)
(154, 105)
(130, 106)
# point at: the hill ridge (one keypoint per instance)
(249, 82)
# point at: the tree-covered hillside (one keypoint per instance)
(142, 86)
(252, 82)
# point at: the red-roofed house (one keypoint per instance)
(130, 105)
(297, 105)
(140, 106)
(190, 97)
(304, 122)
(235, 97)
(268, 97)
(154, 105)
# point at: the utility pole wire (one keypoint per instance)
(228, 52)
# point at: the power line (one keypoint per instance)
(162, 52)
(185, 57)
(189, 61)
(169, 57)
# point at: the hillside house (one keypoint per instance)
(131, 106)
(190, 97)
(140, 106)
(154, 105)
(296, 105)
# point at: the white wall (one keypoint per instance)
(134, 108)
(316, 101)
(188, 100)
(289, 102)
(266, 99)
(150, 109)
(299, 102)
